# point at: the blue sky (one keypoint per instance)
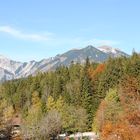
(36, 29)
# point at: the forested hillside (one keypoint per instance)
(104, 98)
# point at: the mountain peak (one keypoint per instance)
(3, 57)
(18, 69)
(89, 47)
(108, 49)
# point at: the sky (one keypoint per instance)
(37, 29)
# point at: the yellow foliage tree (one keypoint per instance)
(51, 104)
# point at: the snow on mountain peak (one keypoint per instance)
(108, 49)
(3, 57)
(10, 69)
(8, 64)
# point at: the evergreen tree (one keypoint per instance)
(87, 94)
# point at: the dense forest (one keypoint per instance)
(104, 98)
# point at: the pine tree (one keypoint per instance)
(87, 94)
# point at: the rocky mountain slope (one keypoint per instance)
(10, 69)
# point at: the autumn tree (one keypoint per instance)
(50, 125)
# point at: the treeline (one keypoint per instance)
(101, 97)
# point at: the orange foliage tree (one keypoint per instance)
(127, 125)
(93, 72)
(119, 131)
(130, 100)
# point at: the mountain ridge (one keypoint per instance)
(10, 69)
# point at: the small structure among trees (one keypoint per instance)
(16, 126)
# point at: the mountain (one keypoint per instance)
(8, 64)
(10, 69)
(112, 51)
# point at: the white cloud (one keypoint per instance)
(56, 41)
(21, 35)
(72, 43)
(100, 42)
(84, 42)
